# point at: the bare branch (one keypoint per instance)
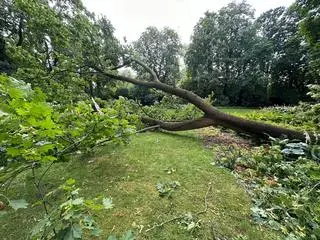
(96, 106)
(149, 70)
(148, 129)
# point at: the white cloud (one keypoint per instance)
(131, 17)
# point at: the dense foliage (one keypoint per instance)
(310, 29)
(35, 133)
(226, 57)
(160, 50)
(253, 62)
(51, 45)
(171, 108)
(304, 116)
(283, 181)
(33, 130)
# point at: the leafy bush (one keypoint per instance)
(142, 94)
(303, 116)
(172, 108)
(34, 132)
(314, 91)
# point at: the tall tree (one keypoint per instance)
(5, 66)
(288, 63)
(226, 56)
(160, 50)
(309, 12)
(51, 42)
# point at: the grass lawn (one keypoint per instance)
(238, 111)
(129, 174)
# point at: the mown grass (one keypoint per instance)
(238, 111)
(129, 173)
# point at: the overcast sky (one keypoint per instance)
(131, 17)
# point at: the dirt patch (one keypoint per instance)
(214, 136)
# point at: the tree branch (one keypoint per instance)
(148, 129)
(219, 118)
(149, 70)
(125, 63)
(179, 125)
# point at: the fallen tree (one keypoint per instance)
(212, 116)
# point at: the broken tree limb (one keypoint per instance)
(148, 129)
(217, 117)
(179, 125)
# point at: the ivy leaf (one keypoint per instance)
(17, 204)
(107, 203)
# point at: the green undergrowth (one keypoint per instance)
(283, 182)
(157, 177)
(303, 117)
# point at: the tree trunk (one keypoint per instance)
(212, 116)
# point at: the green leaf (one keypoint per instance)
(68, 235)
(13, 151)
(38, 228)
(112, 237)
(96, 232)
(17, 204)
(70, 181)
(128, 235)
(78, 201)
(77, 231)
(3, 213)
(107, 203)
(16, 93)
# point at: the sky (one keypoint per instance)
(131, 17)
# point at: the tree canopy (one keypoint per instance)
(249, 62)
(52, 43)
(160, 50)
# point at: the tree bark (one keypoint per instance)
(180, 125)
(20, 31)
(212, 116)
